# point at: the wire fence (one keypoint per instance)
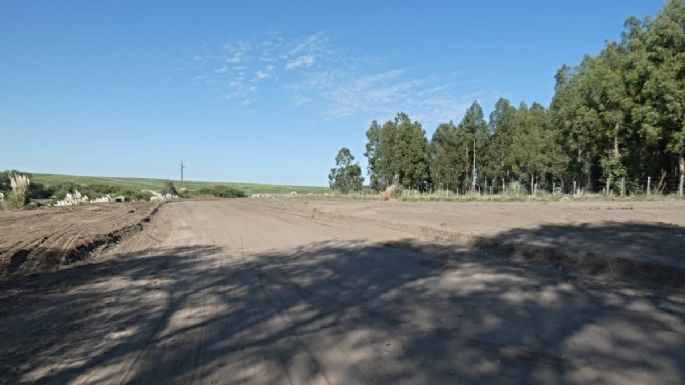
(615, 187)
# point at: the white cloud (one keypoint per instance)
(248, 101)
(235, 58)
(300, 61)
(265, 73)
(336, 80)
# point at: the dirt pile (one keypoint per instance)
(47, 239)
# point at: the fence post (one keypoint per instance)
(574, 188)
(649, 185)
(623, 186)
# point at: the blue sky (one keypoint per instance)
(258, 91)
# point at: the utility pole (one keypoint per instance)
(181, 166)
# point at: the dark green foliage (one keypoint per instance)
(622, 113)
(475, 128)
(398, 154)
(374, 170)
(39, 191)
(346, 177)
(220, 191)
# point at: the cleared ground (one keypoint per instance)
(360, 292)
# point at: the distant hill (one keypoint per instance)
(156, 184)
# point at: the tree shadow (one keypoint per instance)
(337, 312)
(644, 252)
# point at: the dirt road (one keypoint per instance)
(271, 292)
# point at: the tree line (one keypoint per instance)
(615, 119)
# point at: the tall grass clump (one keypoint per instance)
(514, 189)
(19, 195)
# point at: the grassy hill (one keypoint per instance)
(139, 184)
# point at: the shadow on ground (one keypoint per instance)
(339, 313)
(643, 252)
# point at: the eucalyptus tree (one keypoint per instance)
(665, 89)
(376, 179)
(502, 126)
(411, 153)
(398, 153)
(346, 177)
(449, 147)
(476, 129)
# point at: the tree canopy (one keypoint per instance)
(617, 117)
(345, 177)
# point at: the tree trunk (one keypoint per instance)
(473, 175)
(532, 184)
(681, 168)
(616, 154)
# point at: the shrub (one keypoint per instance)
(221, 191)
(60, 190)
(392, 192)
(515, 189)
(168, 188)
(40, 191)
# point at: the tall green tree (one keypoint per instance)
(346, 177)
(398, 153)
(476, 128)
(442, 148)
(502, 126)
(411, 153)
(665, 46)
(376, 180)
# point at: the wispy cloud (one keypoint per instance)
(339, 82)
(265, 73)
(300, 61)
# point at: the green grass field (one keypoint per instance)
(138, 184)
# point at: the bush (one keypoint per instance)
(60, 190)
(515, 189)
(168, 188)
(40, 191)
(221, 191)
(392, 192)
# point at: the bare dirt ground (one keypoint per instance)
(47, 239)
(358, 292)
